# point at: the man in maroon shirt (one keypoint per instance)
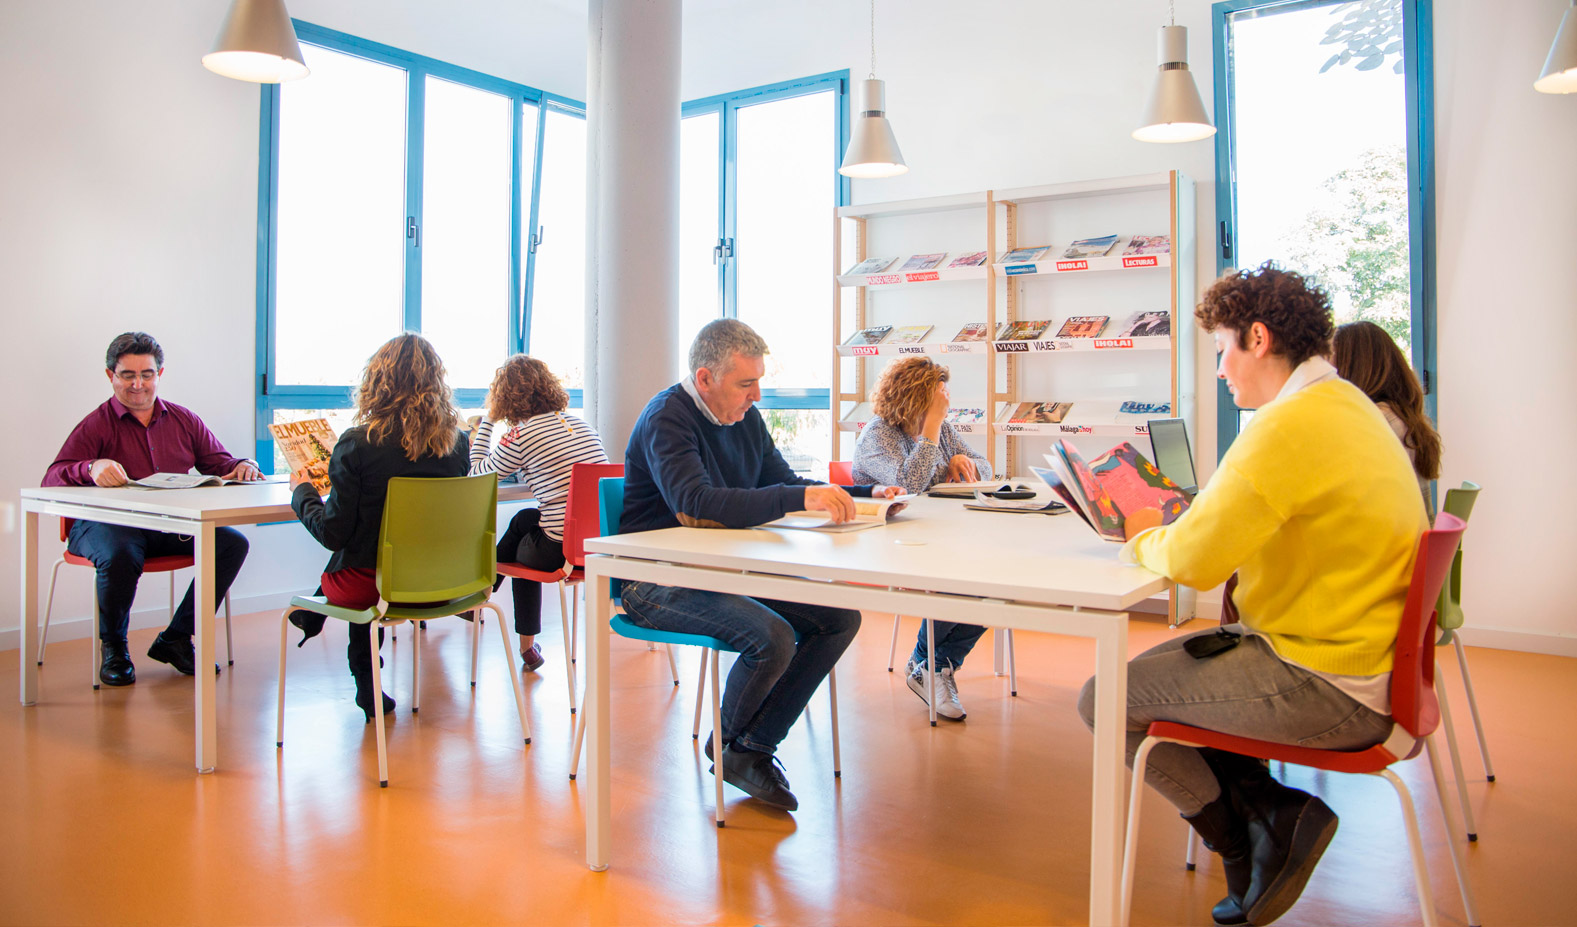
(133, 435)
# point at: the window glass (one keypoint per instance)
(700, 280)
(558, 299)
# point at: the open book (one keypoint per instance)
(1119, 493)
(307, 446)
(968, 490)
(868, 513)
(181, 481)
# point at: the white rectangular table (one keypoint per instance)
(194, 512)
(938, 560)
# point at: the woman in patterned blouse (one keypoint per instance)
(909, 443)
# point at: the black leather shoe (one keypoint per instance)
(758, 775)
(116, 668)
(365, 704)
(1288, 830)
(175, 651)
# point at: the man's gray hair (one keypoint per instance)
(718, 341)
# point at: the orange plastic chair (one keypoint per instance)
(1414, 707)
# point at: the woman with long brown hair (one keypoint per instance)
(1366, 356)
(406, 425)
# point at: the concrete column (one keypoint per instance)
(632, 232)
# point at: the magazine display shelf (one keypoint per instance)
(855, 422)
(1048, 344)
(919, 347)
(941, 274)
(1104, 264)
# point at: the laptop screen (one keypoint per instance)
(1169, 442)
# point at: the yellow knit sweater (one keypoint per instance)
(1316, 507)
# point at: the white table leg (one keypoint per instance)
(998, 651)
(207, 733)
(599, 808)
(29, 613)
(1106, 825)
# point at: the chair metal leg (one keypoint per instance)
(1456, 758)
(1415, 843)
(1469, 907)
(170, 616)
(1131, 840)
(377, 699)
(1472, 704)
(700, 689)
(97, 662)
(514, 672)
(832, 693)
(476, 641)
(717, 741)
(673, 665)
(580, 738)
(1190, 857)
(569, 666)
(416, 669)
(574, 625)
(892, 648)
(49, 605)
(284, 642)
(1012, 667)
(930, 665)
(229, 634)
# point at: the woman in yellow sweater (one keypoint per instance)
(1316, 509)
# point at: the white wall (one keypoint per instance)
(128, 183)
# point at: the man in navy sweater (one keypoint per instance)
(700, 455)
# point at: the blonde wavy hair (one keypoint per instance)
(906, 390)
(403, 396)
(524, 387)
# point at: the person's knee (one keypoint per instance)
(231, 544)
(845, 623)
(773, 648)
(1087, 703)
(121, 562)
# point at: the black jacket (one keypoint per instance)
(348, 521)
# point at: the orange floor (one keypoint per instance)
(103, 820)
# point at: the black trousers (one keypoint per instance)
(524, 542)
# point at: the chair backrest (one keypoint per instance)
(841, 473)
(65, 528)
(1448, 611)
(581, 517)
(436, 542)
(610, 498)
(1413, 703)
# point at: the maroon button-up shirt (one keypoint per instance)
(174, 441)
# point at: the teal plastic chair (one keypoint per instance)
(435, 559)
(1449, 618)
(610, 492)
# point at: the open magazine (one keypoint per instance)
(868, 513)
(307, 446)
(181, 481)
(1119, 493)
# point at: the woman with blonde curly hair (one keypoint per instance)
(909, 443)
(406, 425)
(542, 446)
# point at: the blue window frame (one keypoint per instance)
(1364, 30)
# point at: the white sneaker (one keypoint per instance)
(947, 704)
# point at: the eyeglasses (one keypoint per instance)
(132, 376)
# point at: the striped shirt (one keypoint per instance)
(542, 450)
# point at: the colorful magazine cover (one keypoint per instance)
(1141, 492)
(909, 334)
(872, 265)
(1040, 413)
(1023, 330)
(307, 446)
(1148, 244)
(973, 331)
(1101, 511)
(1024, 255)
(970, 259)
(1083, 326)
(923, 262)
(1145, 324)
(1090, 247)
(1145, 408)
(966, 416)
(869, 335)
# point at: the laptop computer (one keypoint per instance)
(1169, 444)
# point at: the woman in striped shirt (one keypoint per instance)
(541, 446)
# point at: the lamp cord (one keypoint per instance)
(873, 39)
(1171, 11)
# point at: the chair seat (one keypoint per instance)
(395, 611)
(151, 565)
(622, 627)
(1372, 759)
(516, 571)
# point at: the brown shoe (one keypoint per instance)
(532, 659)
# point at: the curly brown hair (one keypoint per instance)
(1297, 312)
(905, 391)
(1367, 357)
(403, 396)
(524, 387)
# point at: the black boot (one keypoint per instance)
(1232, 770)
(1226, 834)
(1288, 830)
(364, 695)
(360, 657)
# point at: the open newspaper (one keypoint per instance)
(868, 513)
(1119, 493)
(307, 446)
(181, 481)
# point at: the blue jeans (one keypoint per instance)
(119, 553)
(1247, 691)
(953, 643)
(774, 677)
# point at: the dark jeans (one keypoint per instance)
(953, 643)
(525, 543)
(774, 677)
(119, 553)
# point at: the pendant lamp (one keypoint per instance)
(1560, 68)
(873, 150)
(1174, 112)
(257, 43)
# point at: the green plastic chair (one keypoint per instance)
(1449, 618)
(435, 559)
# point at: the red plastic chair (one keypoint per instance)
(151, 565)
(1413, 706)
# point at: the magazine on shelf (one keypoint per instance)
(1024, 255)
(1145, 324)
(1160, 409)
(1119, 493)
(923, 262)
(973, 331)
(873, 265)
(1089, 247)
(307, 446)
(873, 335)
(1083, 326)
(909, 334)
(1040, 413)
(970, 259)
(963, 416)
(1148, 244)
(181, 481)
(868, 513)
(1027, 330)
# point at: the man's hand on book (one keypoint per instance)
(246, 471)
(106, 472)
(839, 505)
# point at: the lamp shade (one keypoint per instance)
(873, 150)
(1174, 112)
(257, 43)
(1560, 68)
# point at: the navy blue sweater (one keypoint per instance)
(680, 469)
